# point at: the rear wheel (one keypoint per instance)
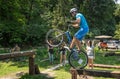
(55, 36)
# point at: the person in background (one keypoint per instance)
(63, 53)
(90, 53)
(16, 48)
(50, 53)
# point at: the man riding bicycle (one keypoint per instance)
(82, 25)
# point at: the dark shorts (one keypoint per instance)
(51, 51)
(63, 53)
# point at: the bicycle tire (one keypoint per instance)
(56, 36)
(78, 62)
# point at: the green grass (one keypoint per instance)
(41, 76)
(8, 66)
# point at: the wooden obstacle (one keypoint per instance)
(33, 69)
(96, 73)
(106, 66)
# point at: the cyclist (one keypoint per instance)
(82, 26)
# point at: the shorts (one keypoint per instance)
(90, 57)
(81, 33)
(63, 53)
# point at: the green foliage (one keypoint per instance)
(117, 32)
(99, 14)
(27, 76)
(27, 21)
(117, 13)
(117, 16)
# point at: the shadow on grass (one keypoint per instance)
(38, 76)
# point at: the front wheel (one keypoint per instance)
(54, 37)
(78, 60)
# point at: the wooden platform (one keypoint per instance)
(96, 73)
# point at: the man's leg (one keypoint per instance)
(78, 44)
(73, 43)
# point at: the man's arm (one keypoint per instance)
(75, 23)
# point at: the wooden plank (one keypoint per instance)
(16, 54)
(99, 73)
(106, 66)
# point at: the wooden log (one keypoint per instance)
(100, 73)
(16, 54)
(73, 73)
(106, 66)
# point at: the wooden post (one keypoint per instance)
(31, 65)
(73, 73)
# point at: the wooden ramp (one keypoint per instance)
(96, 73)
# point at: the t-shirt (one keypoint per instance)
(83, 22)
(90, 50)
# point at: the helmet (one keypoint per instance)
(73, 10)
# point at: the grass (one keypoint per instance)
(8, 66)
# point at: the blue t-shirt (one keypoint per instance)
(83, 22)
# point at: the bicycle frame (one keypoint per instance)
(67, 33)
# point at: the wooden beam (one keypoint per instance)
(16, 54)
(106, 66)
(99, 73)
(96, 73)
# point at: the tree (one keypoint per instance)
(117, 17)
(11, 22)
(99, 14)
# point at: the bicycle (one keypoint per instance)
(76, 59)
